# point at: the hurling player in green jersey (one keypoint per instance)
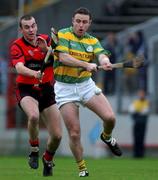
(73, 68)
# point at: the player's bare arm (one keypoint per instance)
(104, 62)
(21, 69)
(71, 61)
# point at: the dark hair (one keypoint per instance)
(83, 10)
(25, 17)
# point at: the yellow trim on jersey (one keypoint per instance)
(62, 48)
(70, 71)
(69, 35)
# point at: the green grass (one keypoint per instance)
(100, 169)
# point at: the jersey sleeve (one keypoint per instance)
(63, 43)
(98, 49)
(16, 55)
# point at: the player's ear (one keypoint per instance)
(20, 29)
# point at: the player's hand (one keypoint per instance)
(91, 67)
(41, 42)
(106, 66)
(38, 75)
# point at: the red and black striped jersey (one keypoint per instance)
(32, 57)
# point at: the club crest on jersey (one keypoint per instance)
(89, 49)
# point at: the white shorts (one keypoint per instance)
(77, 92)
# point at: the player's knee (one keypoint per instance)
(33, 118)
(110, 119)
(75, 136)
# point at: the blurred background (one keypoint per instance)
(125, 27)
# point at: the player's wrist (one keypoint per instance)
(38, 74)
(85, 65)
(33, 74)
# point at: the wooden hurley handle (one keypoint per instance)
(46, 58)
(117, 65)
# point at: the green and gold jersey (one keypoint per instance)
(86, 49)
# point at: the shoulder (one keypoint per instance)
(88, 35)
(45, 36)
(65, 30)
(91, 37)
(65, 33)
(17, 43)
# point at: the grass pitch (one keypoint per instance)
(100, 169)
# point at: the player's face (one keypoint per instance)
(29, 29)
(81, 24)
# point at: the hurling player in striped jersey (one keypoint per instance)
(73, 67)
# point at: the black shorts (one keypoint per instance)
(43, 93)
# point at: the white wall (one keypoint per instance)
(91, 127)
(122, 132)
